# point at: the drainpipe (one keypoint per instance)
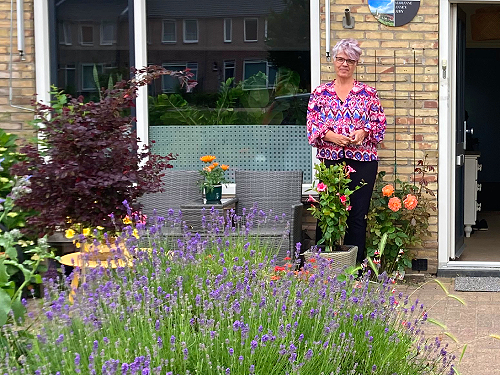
(20, 45)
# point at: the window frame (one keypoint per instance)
(225, 63)
(192, 65)
(268, 67)
(226, 40)
(184, 31)
(80, 34)
(112, 41)
(65, 38)
(245, 39)
(91, 65)
(163, 31)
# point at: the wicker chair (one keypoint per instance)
(279, 191)
(180, 187)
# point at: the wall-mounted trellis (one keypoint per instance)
(400, 77)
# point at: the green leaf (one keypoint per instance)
(434, 321)
(4, 276)
(18, 308)
(458, 299)
(5, 304)
(37, 279)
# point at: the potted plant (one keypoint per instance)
(213, 178)
(331, 209)
(87, 161)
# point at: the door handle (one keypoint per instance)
(460, 160)
(470, 131)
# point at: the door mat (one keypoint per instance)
(477, 284)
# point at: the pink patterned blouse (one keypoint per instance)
(361, 110)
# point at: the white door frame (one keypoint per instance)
(446, 164)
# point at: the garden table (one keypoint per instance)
(192, 212)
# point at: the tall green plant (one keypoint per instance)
(400, 214)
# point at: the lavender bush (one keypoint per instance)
(217, 304)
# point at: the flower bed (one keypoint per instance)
(218, 305)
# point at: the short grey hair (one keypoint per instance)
(349, 46)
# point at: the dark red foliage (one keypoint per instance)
(90, 162)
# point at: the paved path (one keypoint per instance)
(479, 318)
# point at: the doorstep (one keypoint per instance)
(476, 269)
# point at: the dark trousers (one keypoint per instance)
(366, 171)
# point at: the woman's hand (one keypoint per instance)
(358, 136)
(338, 139)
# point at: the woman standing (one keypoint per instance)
(346, 122)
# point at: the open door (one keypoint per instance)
(460, 131)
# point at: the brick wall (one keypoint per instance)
(13, 119)
(402, 64)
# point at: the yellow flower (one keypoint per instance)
(126, 220)
(77, 245)
(86, 232)
(70, 233)
(12, 214)
(100, 228)
(135, 233)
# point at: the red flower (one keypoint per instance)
(321, 187)
(279, 268)
(288, 258)
(312, 260)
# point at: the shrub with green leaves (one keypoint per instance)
(401, 211)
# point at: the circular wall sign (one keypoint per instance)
(394, 12)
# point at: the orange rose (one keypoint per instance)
(388, 190)
(410, 202)
(208, 158)
(394, 204)
(224, 167)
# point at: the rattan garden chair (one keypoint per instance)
(180, 187)
(278, 192)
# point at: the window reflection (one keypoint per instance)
(93, 48)
(246, 46)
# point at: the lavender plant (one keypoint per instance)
(211, 305)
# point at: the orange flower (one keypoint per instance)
(394, 204)
(274, 278)
(211, 166)
(215, 164)
(388, 190)
(312, 260)
(224, 167)
(410, 202)
(208, 158)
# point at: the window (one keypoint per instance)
(228, 29)
(229, 70)
(251, 70)
(190, 31)
(169, 34)
(251, 27)
(88, 81)
(171, 84)
(108, 34)
(86, 35)
(65, 33)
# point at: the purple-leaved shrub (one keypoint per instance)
(90, 160)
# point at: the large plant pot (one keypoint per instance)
(215, 195)
(340, 259)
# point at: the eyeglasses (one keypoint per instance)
(341, 61)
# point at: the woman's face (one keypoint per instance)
(344, 66)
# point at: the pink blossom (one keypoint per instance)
(343, 199)
(312, 199)
(349, 208)
(321, 187)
